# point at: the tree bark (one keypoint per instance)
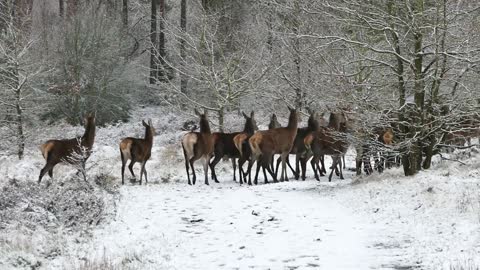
(183, 49)
(299, 93)
(72, 6)
(125, 14)
(162, 76)
(153, 41)
(61, 8)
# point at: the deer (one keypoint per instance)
(225, 145)
(381, 137)
(198, 145)
(328, 141)
(241, 143)
(298, 148)
(137, 150)
(74, 151)
(264, 144)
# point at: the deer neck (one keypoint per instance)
(292, 122)
(89, 135)
(204, 126)
(312, 124)
(249, 129)
(148, 136)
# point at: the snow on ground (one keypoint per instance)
(387, 221)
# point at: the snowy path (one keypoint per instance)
(280, 226)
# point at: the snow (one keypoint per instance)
(383, 221)
(227, 226)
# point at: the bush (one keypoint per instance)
(89, 75)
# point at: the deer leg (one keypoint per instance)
(265, 179)
(214, 163)
(358, 161)
(84, 171)
(130, 167)
(334, 165)
(234, 165)
(278, 164)
(194, 176)
(255, 181)
(314, 163)
(249, 170)
(283, 177)
(336, 168)
(323, 171)
(291, 168)
(123, 167)
(205, 168)
(143, 171)
(303, 164)
(341, 166)
(44, 170)
(297, 166)
(343, 161)
(274, 177)
(186, 165)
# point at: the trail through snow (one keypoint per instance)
(226, 226)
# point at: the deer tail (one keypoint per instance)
(188, 143)
(125, 149)
(45, 149)
(254, 142)
(388, 137)
(308, 140)
(238, 141)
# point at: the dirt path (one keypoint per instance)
(281, 226)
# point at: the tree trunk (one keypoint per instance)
(125, 14)
(162, 76)
(19, 120)
(61, 8)
(221, 119)
(153, 41)
(18, 110)
(183, 49)
(299, 93)
(72, 6)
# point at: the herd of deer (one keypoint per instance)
(318, 139)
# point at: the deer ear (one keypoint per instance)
(244, 115)
(205, 112)
(144, 124)
(252, 114)
(150, 122)
(197, 112)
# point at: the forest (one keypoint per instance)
(388, 89)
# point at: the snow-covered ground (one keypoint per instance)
(387, 221)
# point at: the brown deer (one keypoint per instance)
(298, 148)
(198, 145)
(73, 151)
(274, 122)
(225, 145)
(137, 150)
(241, 143)
(329, 141)
(374, 147)
(264, 144)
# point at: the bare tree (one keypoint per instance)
(153, 42)
(125, 13)
(17, 68)
(183, 49)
